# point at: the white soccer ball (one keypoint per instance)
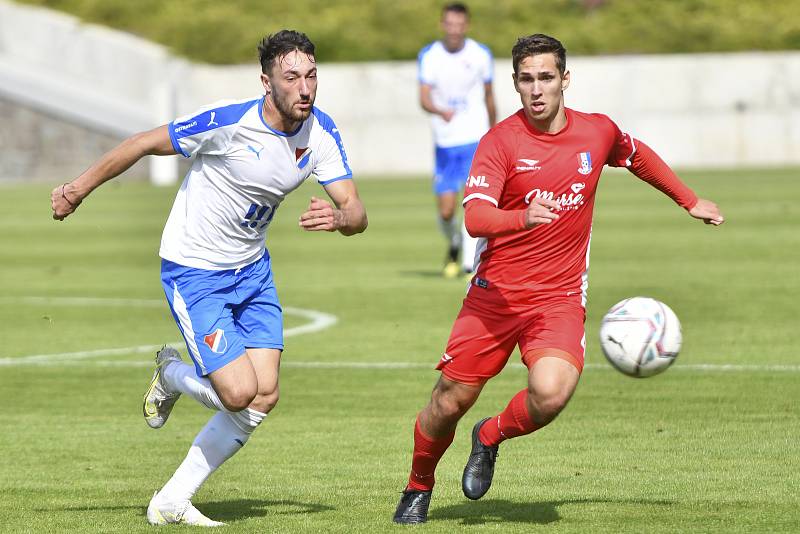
(640, 336)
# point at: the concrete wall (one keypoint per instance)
(96, 85)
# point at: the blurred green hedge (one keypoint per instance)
(227, 31)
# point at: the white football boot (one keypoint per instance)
(163, 513)
(158, 400)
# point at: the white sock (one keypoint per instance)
(183, 377)
(468, 246)
(222, 437)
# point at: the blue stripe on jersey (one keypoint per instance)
(270, 128)
(421, 54)
(491, 61)
(174, 140)
(345, 177)
(209, 120)
(329, 126)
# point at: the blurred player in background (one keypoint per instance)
(455, 87)
(216, 273)
(529, 198)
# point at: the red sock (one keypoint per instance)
(427, 452)
(512, 422)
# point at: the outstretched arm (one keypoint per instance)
(648, 166)
(348, 217)
(66, 198)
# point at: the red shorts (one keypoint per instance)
(484, 335)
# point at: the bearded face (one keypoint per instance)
(292, 86)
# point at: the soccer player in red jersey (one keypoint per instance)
(529, 199)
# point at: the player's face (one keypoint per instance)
(541, 88)
(292, 85)
(455, 27)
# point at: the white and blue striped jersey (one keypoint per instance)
(457, 82)
(241, 172)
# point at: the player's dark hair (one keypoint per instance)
(536, 44)
(279, 44)
(456, 7)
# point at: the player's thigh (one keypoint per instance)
(259, 321)
(266, 364)
(200, 303)
(258, 317)
(236, 382)
(554, 330)
(480, 343)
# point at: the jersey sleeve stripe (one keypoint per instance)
(174, 140)
(629, 159)
(210, 119)
(488, 51)
(329, 126)
(343, 177)
(481, 196)
(420, 56)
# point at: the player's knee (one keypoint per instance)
(448, 408)
(237, 399)
(449, 405)
(265, 402)
(547, 403)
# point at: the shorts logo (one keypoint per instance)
(216, 341)
(586, 163)
(446, 358)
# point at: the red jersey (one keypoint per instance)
(515, 163)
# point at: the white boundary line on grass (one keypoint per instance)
(319, 321)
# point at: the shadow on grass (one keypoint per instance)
(501, 511)
(225, 511)
(244, 508)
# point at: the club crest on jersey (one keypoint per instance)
(585, 159)
(216, 341)
(302, 155)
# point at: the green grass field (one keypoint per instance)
(711, 445)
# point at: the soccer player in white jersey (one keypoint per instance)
(248, 155)
(455, 87)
